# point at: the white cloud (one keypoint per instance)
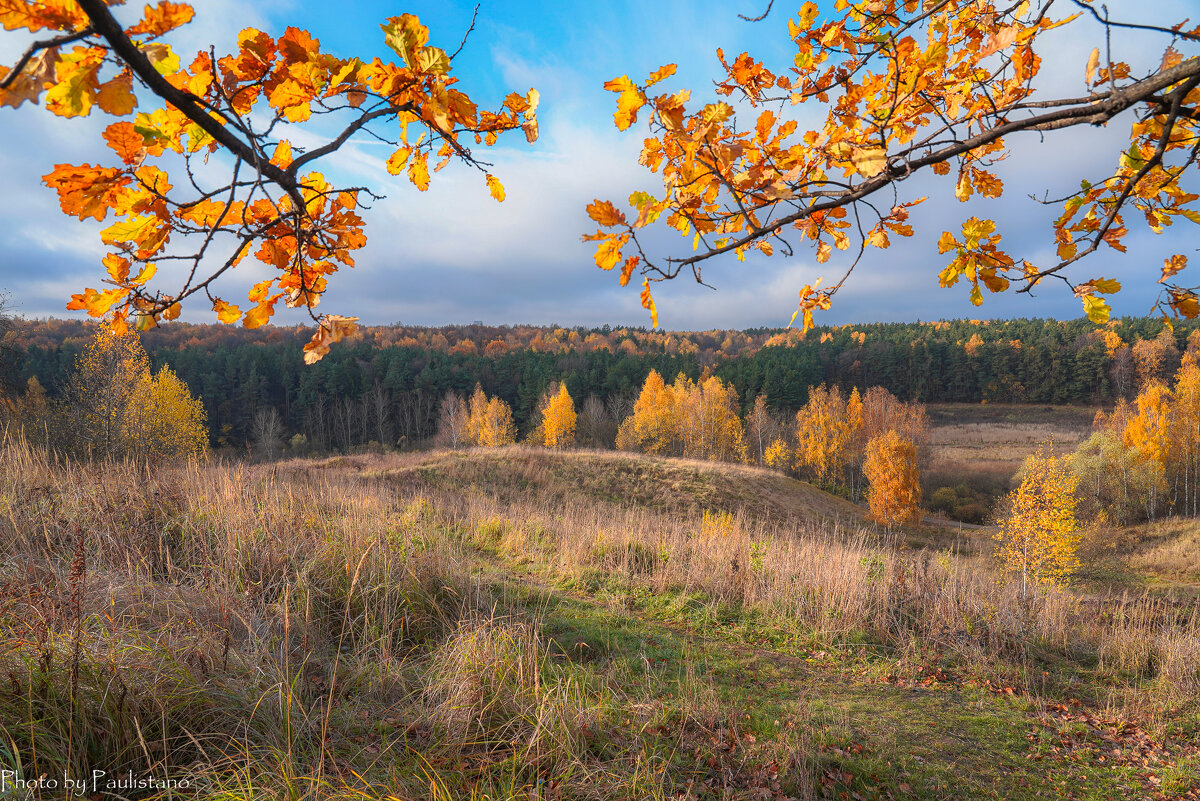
(454, 254)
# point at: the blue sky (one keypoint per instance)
(453, 255)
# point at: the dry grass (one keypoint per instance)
(983, 446)
(348, 628)
(1167, 549)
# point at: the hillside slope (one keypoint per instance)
(519, 624)
(635, 481)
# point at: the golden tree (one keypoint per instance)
(174, 236)
(1040, 536)
(107, 374)
(778, 455)
(557, 426)
(1147, 432)
(162, 417)
(497, 427)
(1184, 435)
(825, 432)
(489, 421)
(706, 419)
(894, 495)
(115, 406)
(651, 427)
(476, 413)
(905, 88)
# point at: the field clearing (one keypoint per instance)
(513, 624)
(984, 445)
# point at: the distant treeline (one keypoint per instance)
(385, 386)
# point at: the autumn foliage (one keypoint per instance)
(556, 428)
(906, 87)
(1040, 536)
(116, 407)
(173, 235)
(694, 419)
(1147, 453)
(890, 466)
(489, 422)
(833, 432)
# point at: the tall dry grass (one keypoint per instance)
(325, 630)
(832, 582)
(290, 632)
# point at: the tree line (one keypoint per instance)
(386, 386)
(1142, 462)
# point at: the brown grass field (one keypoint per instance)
(984, 445)
(520, 624)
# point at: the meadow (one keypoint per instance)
(984, 445)
(517, 623)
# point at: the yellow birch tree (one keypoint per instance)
(557, 429)
(894, 495)
(1147, 431)
(1040, 537)
(651, 427)
(118, 409)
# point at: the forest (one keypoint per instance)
(384, 386)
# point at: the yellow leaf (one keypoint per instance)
(648, 303)
(609, 251)
(396, 162)
(125, 141)
(660, 74)
(145, 275)
(405, 35)
(433, 60)
(418, 170)
(138, 230)
(1185, 303)
(115, 96)
(869, 161)
(962, 190)
(622, 84)
(162, 57)
(1093, 62)
(117, 267)
(1096, 308)
(630, 265)
(226, 312)
(716, 112)
(204, 213)
(627, 108)
(605, 213)
(96, 303)
(1173, 266)
(163, 18)
(1106, 285)
(496, 188)
(74, 92)
(258, 316)
(282, 157)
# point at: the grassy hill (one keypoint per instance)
(667, 486)
(657, 484)
(519, 624)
